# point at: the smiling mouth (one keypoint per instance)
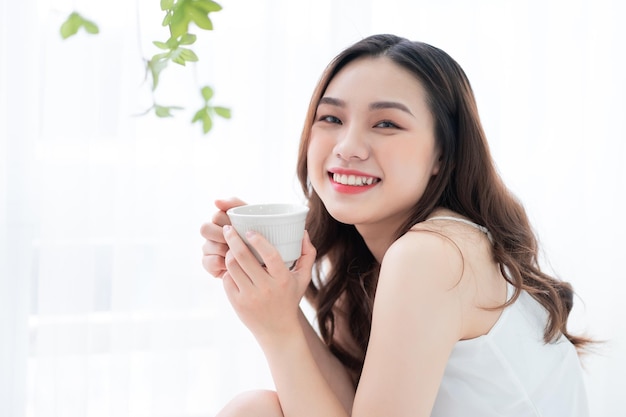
(353, 180)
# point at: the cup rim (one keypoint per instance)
(298, 209)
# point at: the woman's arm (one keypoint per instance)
(214, 251)
(267, 299)
(416, 322)
(417, 319)
(336, 375)
(304, 382)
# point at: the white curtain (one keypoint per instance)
(104, 307)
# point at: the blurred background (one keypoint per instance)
(105, 309)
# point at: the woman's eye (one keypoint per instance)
(387, 124)
(329, 119)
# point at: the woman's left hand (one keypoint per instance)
(266, 298)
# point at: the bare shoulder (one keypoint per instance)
(426, 255)
(419, 279)
(419, 284)
(481, 286)
(417, 320)
(433, 284)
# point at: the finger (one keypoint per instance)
(213, 250)
(270, 255)
(211, 247)
(214, 265)
(230, 288)
(304, 264)
(307, 259)
(237, 273)
(245, 259)
(226, 204)
(211, 231)
(220, 218)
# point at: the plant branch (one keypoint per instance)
(180, 15)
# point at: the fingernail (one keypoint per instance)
(226, 228)
(250, 233)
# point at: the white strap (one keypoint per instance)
(470, 223)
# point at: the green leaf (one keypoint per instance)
(165, 111)
(162, 111)
(70, 26)
(167, 19)
(172, 43)
(155, 66)
(161, 57)
(161, 45)
(188, 55)
(222, 111)
(203, 115)
(199, 114)
(176, 56)
(178, 59)
(167, 4)
(183, 12)
(179, 27)
(91, 27)
(187, 39)
(74, 22)
(207, 123)
(200, 17)
(208, 6)
(179, 24)
(207, 93)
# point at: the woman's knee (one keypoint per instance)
(259, 403)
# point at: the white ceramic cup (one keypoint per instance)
(282, 224)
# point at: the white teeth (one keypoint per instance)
(352, 179)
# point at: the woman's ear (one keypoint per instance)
(437, 164)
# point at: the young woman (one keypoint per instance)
(430, 300)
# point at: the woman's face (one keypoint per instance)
(372, 146)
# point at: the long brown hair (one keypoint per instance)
(467, 183)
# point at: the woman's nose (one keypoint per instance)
(352, 144)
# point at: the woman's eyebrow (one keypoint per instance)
(377, 105)
(332, 101)
(389, 105)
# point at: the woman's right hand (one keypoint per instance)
(215, 248)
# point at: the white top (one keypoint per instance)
(511, 371)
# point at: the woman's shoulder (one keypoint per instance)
(455, 252)
(443, 234)
(427, 255)
(468, 238)
(450, 224)
(448, 240)
(417, 289)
